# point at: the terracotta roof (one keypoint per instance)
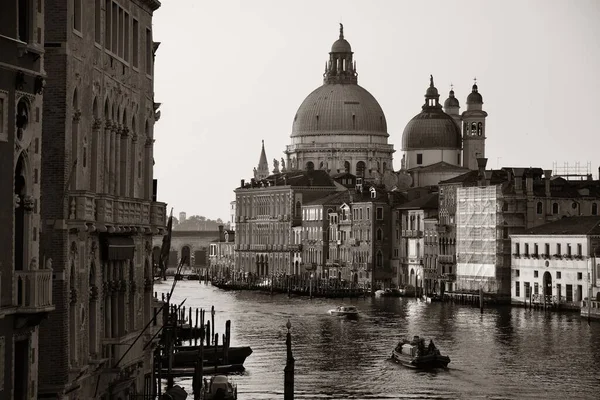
(588, 225)
(177, 233)
(331, 199)
(472, 178)
(427, 202)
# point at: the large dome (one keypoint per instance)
(337, 108)
(431, 129)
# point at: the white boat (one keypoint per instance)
(219, 387)
(344, 311)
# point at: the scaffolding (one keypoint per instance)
(478, 237)
(574, 171)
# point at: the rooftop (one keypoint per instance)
(584, 225)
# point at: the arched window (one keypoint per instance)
(322, 165)
(379, 234)
(310, 166)
(20, 215)
(539, 208)
(479, 128)
(360, 168)
(594, 208)
(554, 208)
(346, 166)
(473, 128)
(379, 258)
(298, 209)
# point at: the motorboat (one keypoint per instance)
(390, 292)
(415, 354)
(219, 387)
(344, 311)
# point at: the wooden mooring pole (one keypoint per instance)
(481, 299)
(288, 383)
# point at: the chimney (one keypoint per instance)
(518, 181)
(221, 234)
(547, 176)
(481, 163)
(242, 183)
(488, 177)
(529, 185)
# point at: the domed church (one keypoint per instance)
(340, 127)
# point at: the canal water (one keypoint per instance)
(506, 353)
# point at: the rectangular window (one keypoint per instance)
(547, 249)
(126, 39)
(368, 213)
(115, 28)
(527, 288)
(535, 274)
(517, 273)
(579, 276)
(148, 52)
(579, 249)
(77, 15)
(558, 291)
(569, 293)
(419, 158)
(558, 249)
(535, 249)
(135, 43)
(569, 250)
(121, 32)
(379, 213)
(579, 293)
(517, 249)
(526, 249)
(517, 289)
(23, 20)
(536, 288)
(3, 116)
(107, 26)
(558, 275)
(97, 24)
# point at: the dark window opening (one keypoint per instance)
(419, 159)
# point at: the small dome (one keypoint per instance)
(474, 97)
(431, 129)
(341, 46)
(431, 92)
(451, 101)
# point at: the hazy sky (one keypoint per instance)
(230, 73)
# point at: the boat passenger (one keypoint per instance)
(431, 347)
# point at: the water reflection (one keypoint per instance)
(504, 353)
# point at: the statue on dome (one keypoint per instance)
(255, 173)
(403, 163)
(275, 166)
(282, 165)
(431, 80)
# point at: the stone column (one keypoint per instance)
(117, 162)
(106, 149)
(111, 177)
(96, 156)
(148, 168)
(124, 181)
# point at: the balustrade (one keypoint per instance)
(33, 291)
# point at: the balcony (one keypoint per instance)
(88, 207)
(412, 233)
(33, 291)
(449, 277)
(447, 258)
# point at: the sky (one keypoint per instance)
(232, 73)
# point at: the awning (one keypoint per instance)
(119, 248)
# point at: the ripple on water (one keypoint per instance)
(503, 354)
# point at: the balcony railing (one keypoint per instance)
(412, 233)
(87, 206)
(33, 291)
(447, 258)
(449, 277)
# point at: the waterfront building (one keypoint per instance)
(432, 270)
(190, 246)
(221, 256)
(318, 257)
(555, 263)
(25, 270)
(99, 206)
(414, 270)
(266, 212)
(525, 198)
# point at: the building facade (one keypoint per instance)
(221, 256)
(555, 263)
(100, 210)
(25, 269)
(266, 213)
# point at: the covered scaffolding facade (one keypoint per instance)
(480, 242)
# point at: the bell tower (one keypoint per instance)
(473, 120)
(263, 166)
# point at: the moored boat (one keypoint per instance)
(414, 354)
(344, 311)
(219, 387)
(187, 356)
